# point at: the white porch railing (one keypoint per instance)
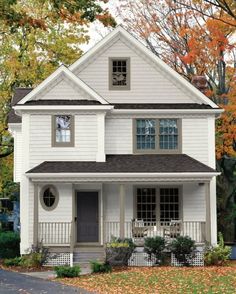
(54, 233)
(195, 230)
(62, 233)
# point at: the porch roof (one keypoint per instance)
(144, 163)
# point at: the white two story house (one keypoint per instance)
(118, 136)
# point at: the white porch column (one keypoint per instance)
(101, 156)
(208, 213)
(211, 215)
(122, 210)
(36, 215)
(213, 212)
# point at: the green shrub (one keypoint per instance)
(9, 244)
(100, 267)
(184, 249)
(31, 260)
(155, 246)
(217, 255)
(12, 261)
(67, 271)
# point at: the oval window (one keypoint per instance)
(49, 198)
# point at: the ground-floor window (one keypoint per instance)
(146, 204)
(169, 204)
(157, 204)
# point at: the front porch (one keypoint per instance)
(95, 212)
(135, 210)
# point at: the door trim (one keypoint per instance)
(99, 217)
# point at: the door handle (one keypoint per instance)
(75, 218)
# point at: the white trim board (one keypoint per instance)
(120, 31)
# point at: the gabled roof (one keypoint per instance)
(55, 75)
(118, 32)
(144, 163)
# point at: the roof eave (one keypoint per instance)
(216, 111)
(125, 176)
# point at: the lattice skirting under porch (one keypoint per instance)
(55, 259)
(141, 259)
(198, 260)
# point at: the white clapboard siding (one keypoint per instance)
(18, 156)
(195, 138)
(40, 140)
(148, 85)
(63, 90)
(111, 198)
(30, 224)
(118, 136)
(194, 208)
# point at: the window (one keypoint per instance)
(168, 134)
(63, 131)
(146, 134)
(146, 204)
(49, 197)
(158, 204)
(157, 136)
(169, 204)
(119, 73)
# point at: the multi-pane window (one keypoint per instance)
(146, 134)
(168, 134)
(146, 204)
(169, 204)
(63, 130)
(157, 135)
(119, 73)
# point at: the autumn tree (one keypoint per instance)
(36, 36)
(223, 10)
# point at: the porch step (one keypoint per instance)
(89, 255)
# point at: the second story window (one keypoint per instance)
(63, 131)
(157, 136)
(168, 134)
(119, 73)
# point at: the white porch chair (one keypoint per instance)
(173, 230)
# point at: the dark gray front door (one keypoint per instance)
(87, 217)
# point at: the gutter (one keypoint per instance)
(124, 175)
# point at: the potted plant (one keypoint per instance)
(119, 251)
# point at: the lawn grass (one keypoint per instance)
(166, 280)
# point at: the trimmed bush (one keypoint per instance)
(119, 251)
(184, 249)
(9, 244)
(12, 261)
(155, 246)
(218, 255)
(67, 271)
(100, 267)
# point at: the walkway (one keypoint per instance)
(11, 282)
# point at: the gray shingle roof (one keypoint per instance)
(153, 163)
(63, 102)
(19, 94)
(162, 106)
